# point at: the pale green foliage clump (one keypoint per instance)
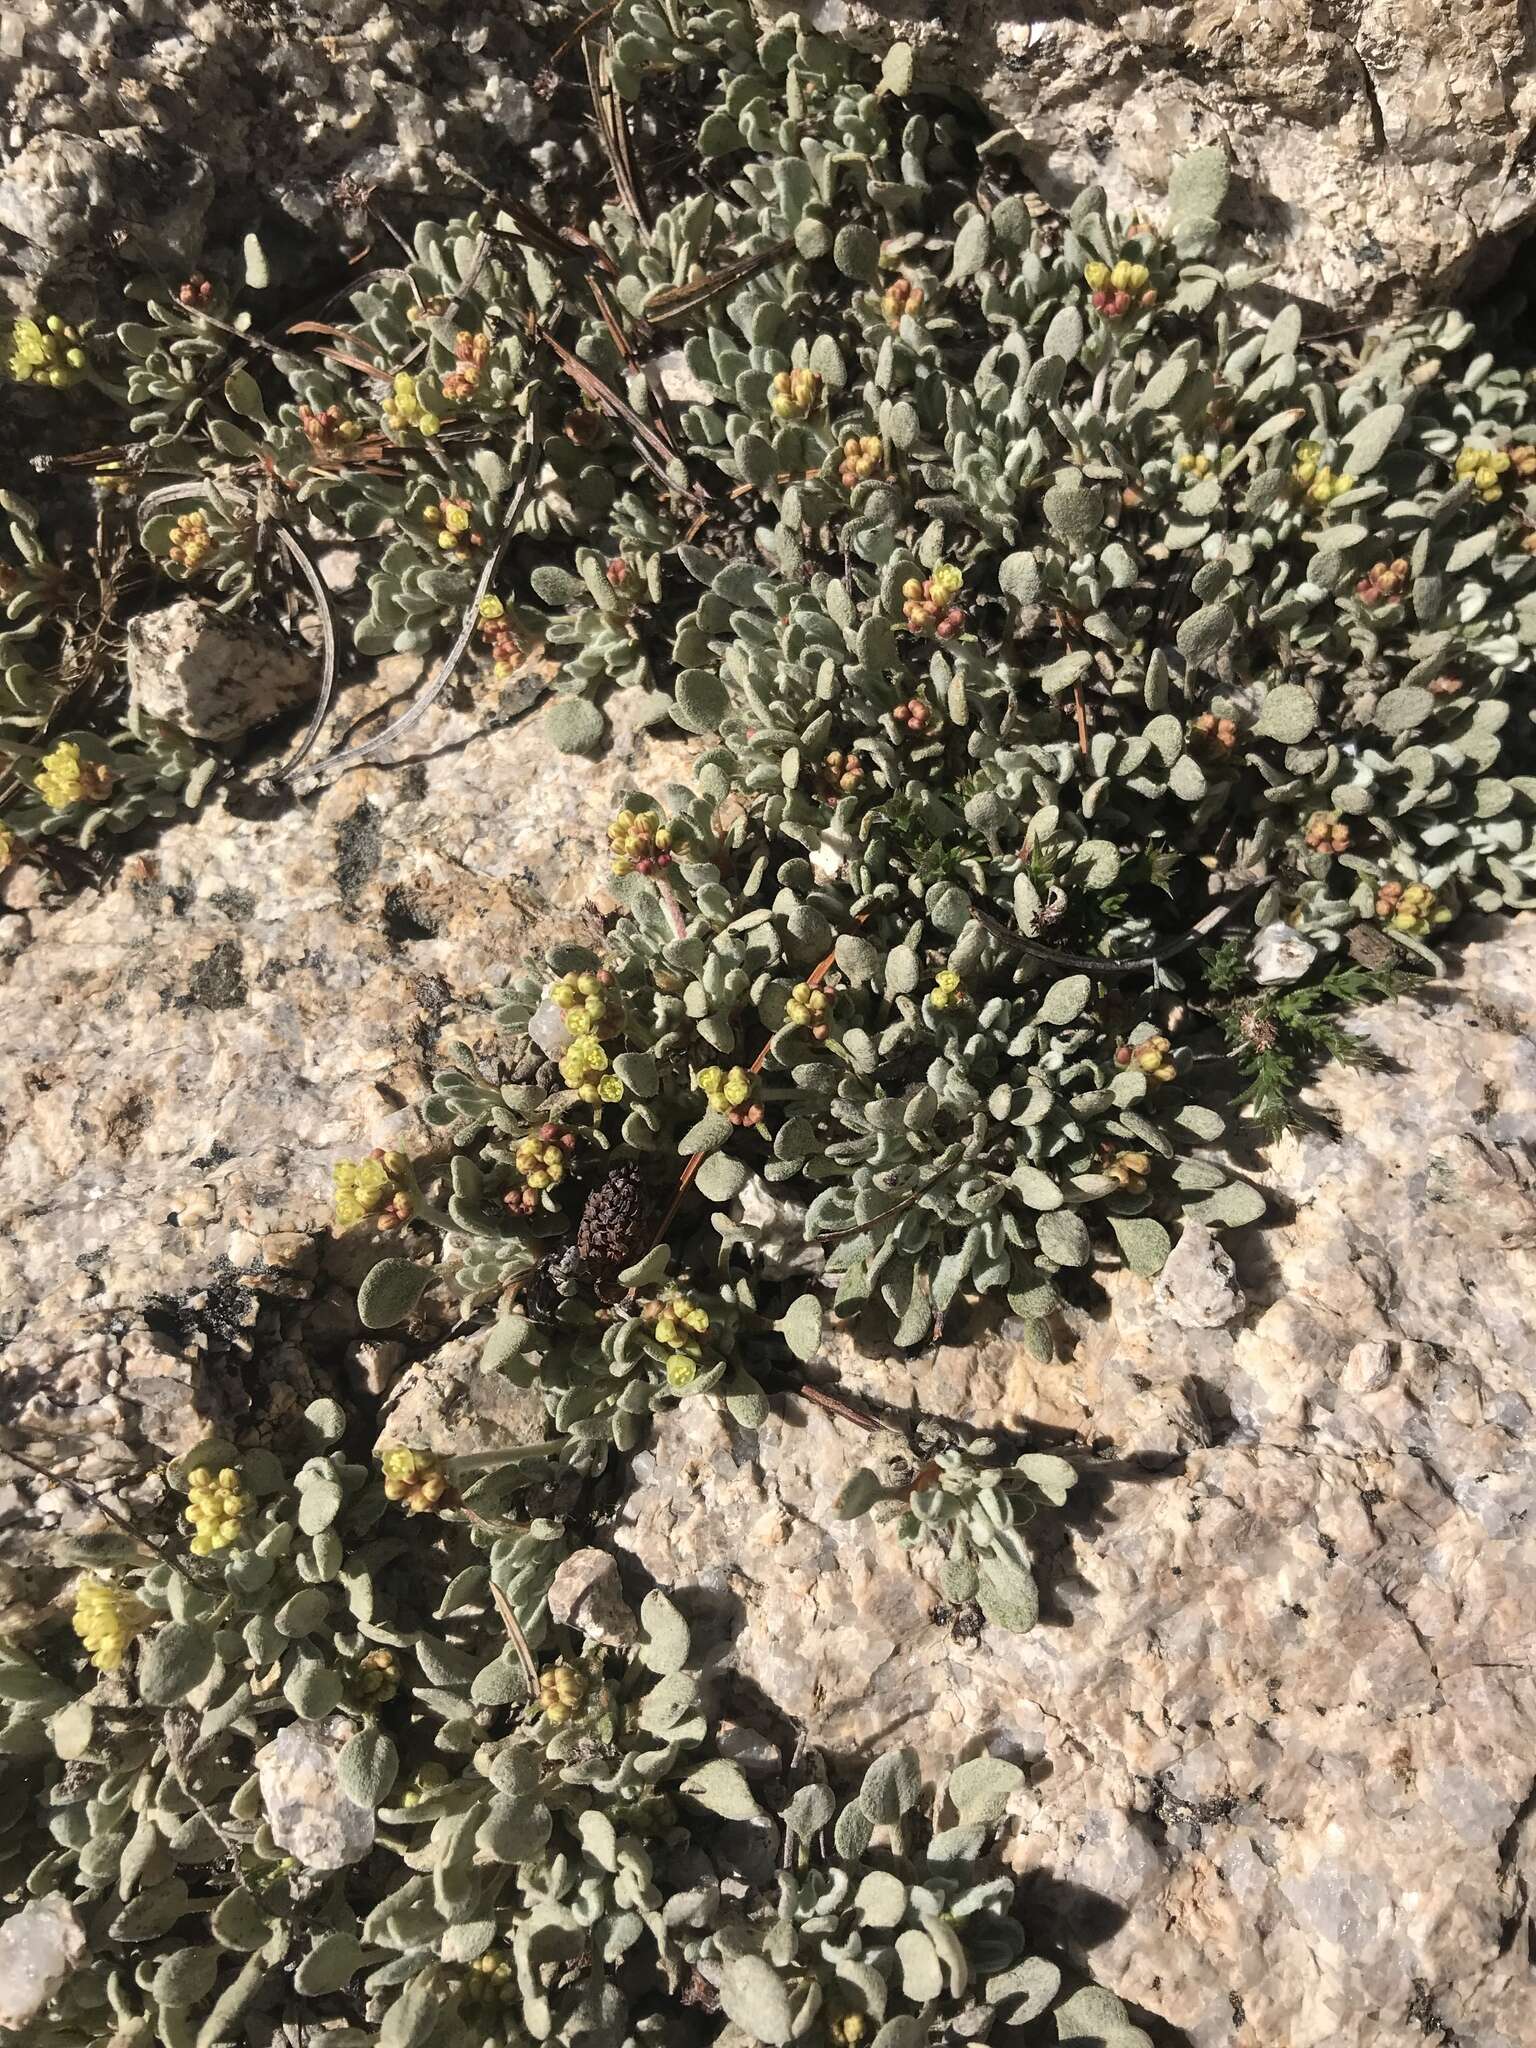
(1072, 594)
(972, 1507)
(556, 1845)
(59, 777)
(1026, 591)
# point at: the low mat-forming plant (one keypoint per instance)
(315, 1767)
(1050, 620)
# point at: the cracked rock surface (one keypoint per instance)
(1379, 147)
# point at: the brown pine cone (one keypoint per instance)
(617, 1223)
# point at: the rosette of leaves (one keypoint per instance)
(594, 632)
(892, 1929)
(972, 1506)
(951, 1146)
(175, 359)
(151, 771)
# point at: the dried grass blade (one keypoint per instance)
(677, 301)
(613, 128)
(299, 555)
(655, 452)
(413, 715)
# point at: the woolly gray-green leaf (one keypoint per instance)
(721, 1788)
(1197, 189)
(1287, 714)
(753, 1996)
(176, 1659)
(573, 726)
(980, 1789)
(390, 1291)
(800, 1326)
(892, 1786)
(721, 1178)
(1143, 1242)
(330, 1965)
(366, 1767)
(1006, 1592)
(1370, 438)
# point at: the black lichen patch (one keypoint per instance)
(235, 904)
(218, 982)
(359, 849)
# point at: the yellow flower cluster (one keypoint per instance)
(496, 630)
(641, 843)
(371, 1187)
(914, 715)
(64, 779)
(106, 1619)
(374, 1678)
(540, 1160)
(413, 1480)
(728, 1091)
(1150, 1057)
(329, 430)
(862, 455)
(191, 542)
(838, 774)
(590, 1014)
(794, 394)
(470, 352)
(428, 1778)
(561, 1693)
(1196, 465)
(217, 1508)
(1327, 833)
(930, 603)
(7, 847)
(846, 2028)
(453, 521)
(48, 354)
(1383, 581)
(809, 1009)
(1129, 1170)
(948, 992)
(584, 1067)
(113, 478)
(898, 299)
(403, 409)
(1485, 466)
(491, 1981)
(1413, 909)
(1314, 476)
(1220, 733)
(678, 1322)
(1113, 290)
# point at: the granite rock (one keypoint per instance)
(213, 677)
(312, 1819)
(1197, 1288)
(1280, 1712)
(261, 992)
(1379, 149)
(585, 1594)
(146, 136)
(39, 1946)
